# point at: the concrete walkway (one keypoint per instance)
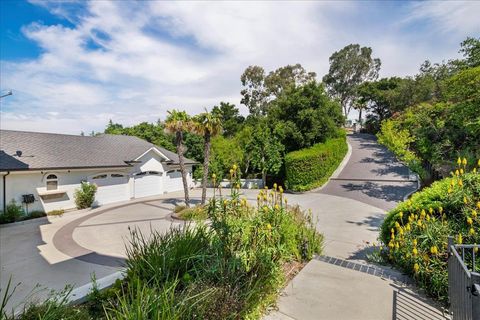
(350, 209)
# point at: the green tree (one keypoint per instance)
(177, 123)
(304, 115)
(350, 67)
(113, 128)
(470, 48)
(260, 89)
(266, 151)
(225, 152)
(230, 116)
(208, 125)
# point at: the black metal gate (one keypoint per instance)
(463, 281)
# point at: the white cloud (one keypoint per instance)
(132, 61)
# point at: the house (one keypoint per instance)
(47, 168)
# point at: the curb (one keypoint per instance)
(79, 295)
(408, 195)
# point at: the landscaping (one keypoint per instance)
(312, 167)
(14, 213)
(415, 233)
(233, 268)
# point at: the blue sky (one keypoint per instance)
(73, 65)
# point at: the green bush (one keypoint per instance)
(13, 212)
(85, 195)
(194, 213)
(398, 141)
(448, 207)
(58, 212)
(310, 168)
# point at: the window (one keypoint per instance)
(100, 176)
(117, 175)
(52, 182)
(171, 171)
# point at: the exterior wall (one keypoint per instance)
(31, 182)
(19, 183)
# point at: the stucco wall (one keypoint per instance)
(20, 183)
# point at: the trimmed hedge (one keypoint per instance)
(311, 167)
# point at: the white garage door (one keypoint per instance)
(173, 181)
(111, 187)
(148, 183)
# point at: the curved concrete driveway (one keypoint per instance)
(350, 209)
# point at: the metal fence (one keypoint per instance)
(464, 280)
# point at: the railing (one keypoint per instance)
(464, 280)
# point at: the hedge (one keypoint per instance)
(311, 167)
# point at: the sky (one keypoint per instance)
(74, 65)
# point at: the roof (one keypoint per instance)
(61, 151)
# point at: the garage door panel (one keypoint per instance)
(110, 189)
(173, 181)
(148, 185)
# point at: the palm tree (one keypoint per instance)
(207, 124)
(176, 123)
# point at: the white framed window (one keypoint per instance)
(52, 182)
(117, 175)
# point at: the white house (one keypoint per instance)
(47, 168)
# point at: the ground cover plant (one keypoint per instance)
(232, 268)
(415, 232)
(14, 212)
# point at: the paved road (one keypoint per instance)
(372, 175)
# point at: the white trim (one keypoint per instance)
(156, 151)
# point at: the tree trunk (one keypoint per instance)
(360, 117)
(264, 178)
(205, 166)
(181, 162)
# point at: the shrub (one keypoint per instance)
(194, 213)
(310, 168)
(85, 195)
(58, 212)
(398, 141)
(36, 214)
(416, 231)
(13, 212)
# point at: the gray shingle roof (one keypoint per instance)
(51, 150)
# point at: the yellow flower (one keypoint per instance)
(419, 223)
(460, 182)
(265, 208)
(459, 161)
(474, 170)
(238, 185)
(225, 202)
(475, 249)
(414, 242)
(392, 230)
(400, 214)
(397, 225)
(280, 189)
(478, 163)
(465, 200)
(474, 213)
(471, 231)
(414, 252)
(277, 207)
(422, 214)
(231, 172)
(269, 227)
(407, 227)
(459, 239)
(434, 250)
(478, 204)
(457, 173)
(440, 210)
(416, 267)
(464, 161)
(397, 246)
(214, 176)
(461, 171)
(430, 210)
(234, 167)
(391, 245)
(449, 190)
(428, 217)
(469, 221)
(274, 186)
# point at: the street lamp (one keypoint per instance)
(9, 93)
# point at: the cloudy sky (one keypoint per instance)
(74, 65)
